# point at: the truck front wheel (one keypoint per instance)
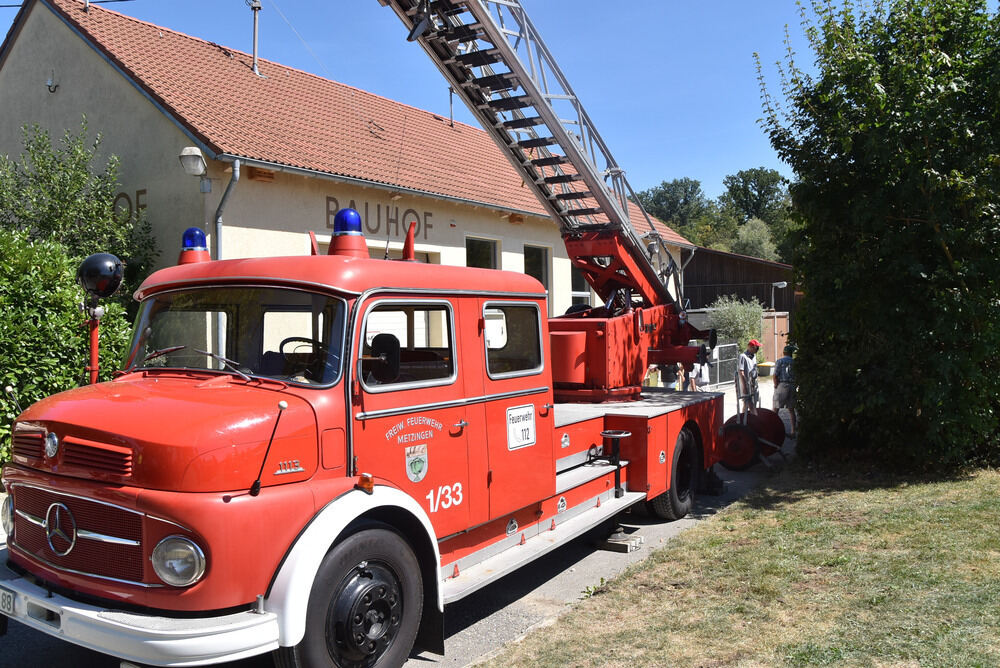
(678, 500)
(365, 605)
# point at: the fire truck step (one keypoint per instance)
(582, 475)
(539, 540)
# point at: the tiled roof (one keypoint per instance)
(294, 118)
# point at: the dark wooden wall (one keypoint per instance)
(711, 274)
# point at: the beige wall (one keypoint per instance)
(261, 218)
(146, 141)
(297, 204)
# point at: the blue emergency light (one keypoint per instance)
(193, 240)
(347, 222)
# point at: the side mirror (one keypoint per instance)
(385, 354)
(100, 275)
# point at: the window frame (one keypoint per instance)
(541, 350)
(408, 385)
(497, 251)
(232, 323)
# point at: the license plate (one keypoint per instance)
(6, 602)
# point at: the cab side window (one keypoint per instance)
(424, 333)
(513, 339)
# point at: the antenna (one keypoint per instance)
(255, 487)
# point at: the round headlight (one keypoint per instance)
(51, 445)
(7, 515)
(178, 561)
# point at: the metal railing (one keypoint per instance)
(722, 370)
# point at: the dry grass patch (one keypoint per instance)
(811, 569)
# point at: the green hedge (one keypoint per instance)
(44, 346)
(895, 140)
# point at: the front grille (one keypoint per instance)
(90, 555)
(94, 456)
(29, 444)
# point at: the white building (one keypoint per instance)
(306, 147)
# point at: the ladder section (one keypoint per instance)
(493, 57)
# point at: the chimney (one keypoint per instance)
(255, 8)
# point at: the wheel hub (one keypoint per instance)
(365, 615)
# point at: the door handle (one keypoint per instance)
(461, 424)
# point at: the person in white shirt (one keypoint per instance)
(746, 376)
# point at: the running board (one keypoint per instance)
(538, 540)
(580, 475)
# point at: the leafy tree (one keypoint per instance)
(679, 203)
(55, 209)
(756, 193)
(895, 141)
(715, 230)
(57, 193)
(754, 239)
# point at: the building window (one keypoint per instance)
(480, 253)
(378, 253)
(579, 288)
(536, 264)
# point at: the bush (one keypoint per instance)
(896, 145)
(57, 192)
(43, 345)
(736, 320)
(55, 209)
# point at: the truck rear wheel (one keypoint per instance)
(678, 500)
(365, 605)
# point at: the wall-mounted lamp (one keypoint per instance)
(194, 164)
(777, 284)
(50, 83)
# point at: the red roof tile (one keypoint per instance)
(301, 120)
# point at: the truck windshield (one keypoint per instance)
(289, 335)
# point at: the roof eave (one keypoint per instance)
(356, 181)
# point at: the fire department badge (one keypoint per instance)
(416, 462)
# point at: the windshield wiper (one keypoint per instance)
(160, 353)
(228, 362)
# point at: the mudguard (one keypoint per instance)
(289, 595)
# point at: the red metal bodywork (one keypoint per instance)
(168, 451)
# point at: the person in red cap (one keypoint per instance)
(746, 377)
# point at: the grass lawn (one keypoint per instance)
(812, 569)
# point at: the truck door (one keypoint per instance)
(410, 429)
(517, 386)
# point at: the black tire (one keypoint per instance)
(365, 605)
(685, 470)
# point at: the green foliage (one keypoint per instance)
(896, 145)
(679, 203)
(736, 320)
(58, 193)
(754, 239)
(55, 209)
(43, 346)
(756, 193)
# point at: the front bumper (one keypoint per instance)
(159, 641)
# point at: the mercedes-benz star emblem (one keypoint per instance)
(60, 529)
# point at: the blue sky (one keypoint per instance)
(670, 84)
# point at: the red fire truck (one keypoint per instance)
(313, 455)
